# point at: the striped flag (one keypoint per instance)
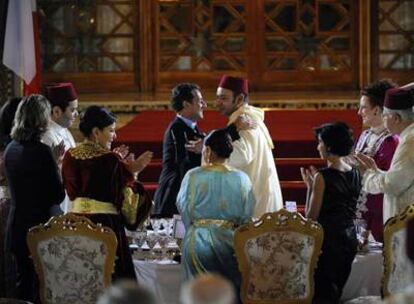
(21, 52)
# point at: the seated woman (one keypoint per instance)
(213, 200)
(331, 200)
(96, 181)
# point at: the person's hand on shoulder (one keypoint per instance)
(195, 146)
(243, 122)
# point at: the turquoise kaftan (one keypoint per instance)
(212, 201)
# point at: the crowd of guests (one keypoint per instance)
(216, 182)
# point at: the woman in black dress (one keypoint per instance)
(331, 200)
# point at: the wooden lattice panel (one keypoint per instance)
(396, 34)
(202, 36)
(308, 35)
(88, 36)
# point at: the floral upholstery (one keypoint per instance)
(73, 257)
(73, 268)
(401, 270)
(279, 265)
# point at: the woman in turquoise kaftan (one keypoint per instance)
(213, 200)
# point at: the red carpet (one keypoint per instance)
(291, 130)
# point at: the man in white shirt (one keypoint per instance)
(397, 183)
(253, 151)
(64, 102)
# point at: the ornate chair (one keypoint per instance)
(73, 257)
(398, 270)
(277, 256)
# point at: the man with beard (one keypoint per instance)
(253, 151)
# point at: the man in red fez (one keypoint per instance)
(253, 151)
(397, 183)
(64, 103)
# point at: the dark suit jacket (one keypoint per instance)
(176, 161)
(35, 185)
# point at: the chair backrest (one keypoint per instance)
(277, 256)
(73, 257)
(398, 270)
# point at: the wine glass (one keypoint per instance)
(139, 238)
(163, 240)
(152, 240)
(155, 223)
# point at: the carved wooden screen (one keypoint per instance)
(275, 43)
(308, 43)
(394, 23)
(92, 43)
(198, 40)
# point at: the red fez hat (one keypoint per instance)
(61, 93)
(398, 99)
(235, 84)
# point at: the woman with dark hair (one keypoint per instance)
(331, 200)
(101, 184)
(378, 143)
(7, 113)
(35, 185)
(213, 200)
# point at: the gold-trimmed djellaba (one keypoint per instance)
(88, 150)
(130, 206)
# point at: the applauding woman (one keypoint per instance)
(100, 183)
(331, 200)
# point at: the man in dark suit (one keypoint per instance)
(181, 146)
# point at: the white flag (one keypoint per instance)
(19, 46)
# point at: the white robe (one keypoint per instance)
(52, 137)
(397, 183)
(253, 154)
(55, 134)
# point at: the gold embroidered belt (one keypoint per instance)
(91, 206)
(219, 223)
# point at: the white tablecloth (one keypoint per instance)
(365, 277)
(165, 279)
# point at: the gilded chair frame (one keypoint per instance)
(279, 221)
(393, 225)
(71, 225)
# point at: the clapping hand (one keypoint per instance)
(138, 164)
(308, 175)
(58, 151)
(365, 162)
(122, 151)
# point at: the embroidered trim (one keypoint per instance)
(130, 205)
(87, 205)
(88, 150)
